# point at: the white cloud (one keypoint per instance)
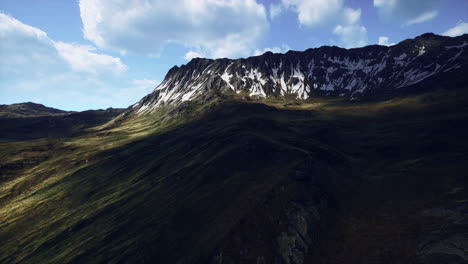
(386, 4)
(351, 16)
(458, 30)
(347, 20)
(423, 17)
(34, 66)
(193, 54)
(284, 48)
(314, 12)
(145, 83)
(222, 28)
(275, 10)
(351, 33)
(11, 26)
(23, 45)
(407, 12)
(81, 58)
(352, 36)
(384, 41)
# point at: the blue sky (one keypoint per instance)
(91, 54)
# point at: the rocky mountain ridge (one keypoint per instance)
(326, 71)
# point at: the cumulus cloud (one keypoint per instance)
(458, 30)
(193, 54)
(407, 12)
(346, 21)
(29, 46)
(284, 48)
(35, 67)
(351, 33)
(222, 28)
(314, 12)
(82, 58)
(384, 41)
(275, 10)
(12, 26)
(22, 44)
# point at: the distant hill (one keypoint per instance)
(28, 109)
(32, 121)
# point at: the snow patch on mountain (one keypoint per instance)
(327, 71)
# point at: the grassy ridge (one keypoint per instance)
(170, 189)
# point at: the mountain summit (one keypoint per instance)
(359, 73)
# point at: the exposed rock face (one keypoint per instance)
(284, 228)
(295, 242)
(450, 243)
(325, 71)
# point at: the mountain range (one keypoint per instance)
(372, 72)
(328, 155)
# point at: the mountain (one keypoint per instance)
(28, 109)
(227, 177)
(355, 74)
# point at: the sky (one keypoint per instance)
(95, 54)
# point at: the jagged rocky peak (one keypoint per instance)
(325, 71)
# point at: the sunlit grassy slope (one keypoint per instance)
(172, 186)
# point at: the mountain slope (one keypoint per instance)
(368, 72)
(239, 182)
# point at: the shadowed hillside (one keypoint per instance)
(233, 181)
(52, 124)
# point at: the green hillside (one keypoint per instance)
(236, 181)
